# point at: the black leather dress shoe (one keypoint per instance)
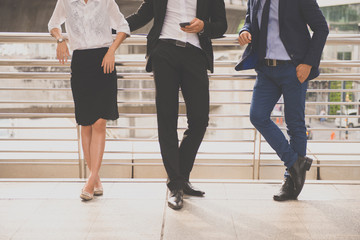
(175, 200)
(286, 191)
(190, 190)
(298, 173)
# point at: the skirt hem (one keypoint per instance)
(89, 123)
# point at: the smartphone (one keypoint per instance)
(184, 24)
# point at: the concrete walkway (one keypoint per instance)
(128, 210)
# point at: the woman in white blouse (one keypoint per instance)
(93, 74)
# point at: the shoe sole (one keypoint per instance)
(85, 198)
(174, 207)
(283, 199)
(195, 195)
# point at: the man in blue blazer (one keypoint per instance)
(285, 56)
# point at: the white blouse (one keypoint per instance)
(89, 24)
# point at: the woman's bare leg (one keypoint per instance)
(97, 146)
(86, 134)
(86, 140)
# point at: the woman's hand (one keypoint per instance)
(62, 52)
(108, 62)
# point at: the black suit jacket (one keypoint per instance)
(294, 18)
(212, 12)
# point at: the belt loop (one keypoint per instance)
(274, 63)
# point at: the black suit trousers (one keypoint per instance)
(186, 68)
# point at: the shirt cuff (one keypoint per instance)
(51, 27)
(124, 29)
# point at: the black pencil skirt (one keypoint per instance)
(94, 93)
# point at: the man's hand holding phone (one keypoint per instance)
(195, 26)
(184, 24)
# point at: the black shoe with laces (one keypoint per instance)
(298, 173)
(191, 190)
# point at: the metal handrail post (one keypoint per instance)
(254, 154)
(81, 162)
(259, 158)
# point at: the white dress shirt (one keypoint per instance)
(89, 24)
(178, 11)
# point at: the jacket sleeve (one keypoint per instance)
(316, 20)
(247, 24)
(143, 15)
(217, 24)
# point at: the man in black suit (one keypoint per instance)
(285, 56)
(180, 56)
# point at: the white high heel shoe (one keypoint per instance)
(86, 195)
(98, 191)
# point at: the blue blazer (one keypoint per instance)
(294, 18)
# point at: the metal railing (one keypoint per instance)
(256, 158)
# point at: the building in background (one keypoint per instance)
(343, 17)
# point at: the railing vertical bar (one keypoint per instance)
(132, 161)
(259, 158)
(254, 155)
(79, 150)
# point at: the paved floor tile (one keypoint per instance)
(200, 219)
(139, 211)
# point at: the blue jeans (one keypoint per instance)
(271, 83)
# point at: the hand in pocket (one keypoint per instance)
(302, 72)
